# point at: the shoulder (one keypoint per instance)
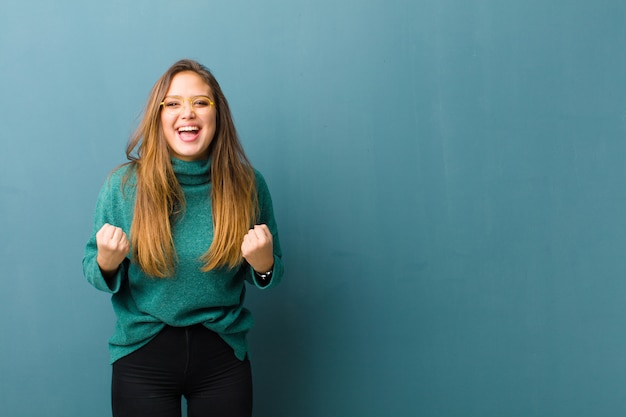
(122, 174)
(116, 199)
(258, 176)
(261, 184)
(122, 178)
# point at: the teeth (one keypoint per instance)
(187, 128)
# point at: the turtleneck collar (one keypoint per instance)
(192, 172)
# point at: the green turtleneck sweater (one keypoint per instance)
(145, 305)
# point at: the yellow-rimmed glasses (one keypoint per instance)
(174, 104)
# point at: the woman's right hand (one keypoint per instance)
(113, 246)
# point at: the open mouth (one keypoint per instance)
(188, 133)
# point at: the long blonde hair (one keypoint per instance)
(159, 196)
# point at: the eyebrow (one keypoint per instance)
(197, 95)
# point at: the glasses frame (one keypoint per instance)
(186, 99)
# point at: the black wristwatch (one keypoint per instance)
(264, 278)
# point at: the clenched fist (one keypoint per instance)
(113, 246)
(258, 248)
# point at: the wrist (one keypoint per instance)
(105, 266)
(263, 267)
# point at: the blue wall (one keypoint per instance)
(448, 177)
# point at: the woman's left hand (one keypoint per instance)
(258, 248)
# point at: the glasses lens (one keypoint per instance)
(172, 105)
(201, 103)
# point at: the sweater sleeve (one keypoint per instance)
(109, 197)
(266, 216)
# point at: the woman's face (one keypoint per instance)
(190, 131)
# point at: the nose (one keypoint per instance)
(187, 111)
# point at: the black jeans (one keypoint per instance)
(193, 362)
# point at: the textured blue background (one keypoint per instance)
(448, 178)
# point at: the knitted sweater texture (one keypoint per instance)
(145, 305)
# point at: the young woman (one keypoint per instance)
(178, 230)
